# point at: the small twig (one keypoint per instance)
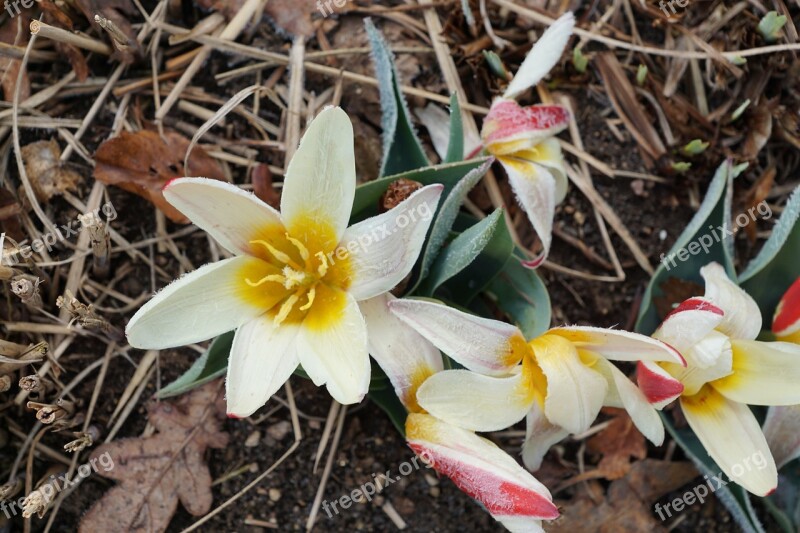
(67, 37)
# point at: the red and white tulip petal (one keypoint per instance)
(708, 360)
(333, 347)
(764, 373)
(540, 436)
(688, 323)
(624, 394)
(732, 437)
(483, 471)
(509, 128)
(487, 346)
(320, 182)
(383, 249)
(536, 192)
(742, 318)
(263, 357)
(543, 56)
(232, 216)
(575, 393)
(476, 402)
(786, 322)
(782, 430)
(406, 356)
(202, 304)
(657, 385)
(618, 345)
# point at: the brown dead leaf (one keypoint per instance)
(293, 16)
(753, 197)
(617, 444)
(156, 472)
(759, 130)
(55, 16)
(228, 8)
(10, 212)
(628, 503)
(14, 31)
(48, 175)
(263, 187)
(143, 162)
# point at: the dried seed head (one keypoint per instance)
(49, 413)
(5, 383)
(27, 289)
(398, 191)
(35, 383)
(83, 441)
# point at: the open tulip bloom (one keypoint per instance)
(522, 138)
(294, 287)
(476, 465)
(559, 380)
(726, 370)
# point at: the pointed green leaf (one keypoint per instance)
(455, 148)
(460, 252)
(402, 149)
(704, 240)
(208, 367)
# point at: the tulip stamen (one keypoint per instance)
(277, 254)
(272, 277)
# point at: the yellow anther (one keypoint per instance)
(277, 254)
(311, 294)
(286, 307)
(294, 278)
(322, 269)
(277, 278)
(300, 248)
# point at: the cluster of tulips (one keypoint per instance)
(292, 305)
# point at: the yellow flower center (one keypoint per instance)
(296, 277)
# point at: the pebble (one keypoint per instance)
(274, 495)
(253, 439)
(280, 430)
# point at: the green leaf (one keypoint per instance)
(689, 254)
(402, 149)
(208, 367)
(368, 195)
(448, 211)
(770, 26)
(579, 61)
(461, 251)
(520, 293)
(774, 269)
(462, 289)
(386, 399)
(455, 148)
(732, 496)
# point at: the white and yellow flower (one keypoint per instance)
(522, 138)
(293, 288)
(727, 369)
(559, 380)
(476, 465)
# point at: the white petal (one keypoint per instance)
(731, 436)
(782, 430)
(383, 249)
(437, 121)
(476, 402)
(487, 346)
(263, 357)
(548, 154)
(202, 304)
(543, 56)
(232, 216)
(536, 191)
(688, 323)
(623, 393)
(764, 373)
(658, 386)
(320, 182)
(482, 470)
(333, 349)
(618, 345)
(406, 356)
(709, 359)
(575, 393)
(540, 436)
(742, 318)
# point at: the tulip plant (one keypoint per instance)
(337, 276)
